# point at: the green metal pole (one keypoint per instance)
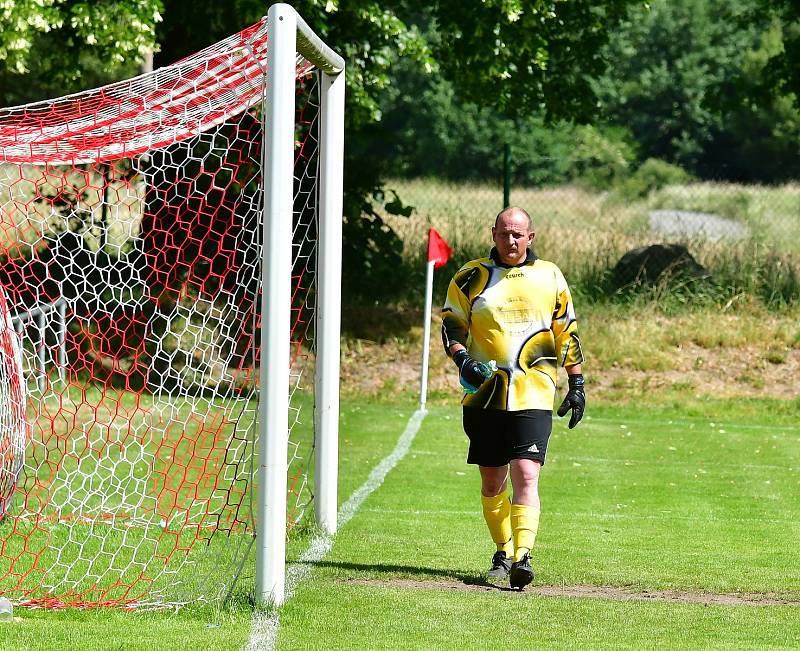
(507, 175)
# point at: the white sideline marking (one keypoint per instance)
(265, 625)
(656, 462)
(731, 425)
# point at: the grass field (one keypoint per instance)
(121, 493)
(634, 500)
(631, 500)
(199, 625)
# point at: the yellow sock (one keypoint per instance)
(525, 524)
(497, 513)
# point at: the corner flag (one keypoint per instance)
(439, 250)
(439, 253)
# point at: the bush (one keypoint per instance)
(599, 160)
(652, 175)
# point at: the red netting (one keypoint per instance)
(152, 111)
(130, 259)
(13, 424)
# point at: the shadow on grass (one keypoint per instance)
(392, 573)
(379, 322)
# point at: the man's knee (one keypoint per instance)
(493, 480)
(525, 471)
(492, 489)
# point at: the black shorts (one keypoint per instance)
(496, 437)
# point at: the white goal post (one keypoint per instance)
(170, 280)
(288, 36)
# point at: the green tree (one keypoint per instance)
(669, 63)
(685, 78)
(52, 47)
(782, 72)
(524, 56)
(371, 38)
(758, 137)
(516, 56)
(432, 131)
(480, 47)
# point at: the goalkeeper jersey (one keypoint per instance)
(523, 318)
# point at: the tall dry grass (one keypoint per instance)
(587, 232)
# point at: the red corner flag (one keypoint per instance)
(438, 250)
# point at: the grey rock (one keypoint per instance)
(650, 264)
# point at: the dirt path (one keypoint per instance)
(595, 592)
(392, 369)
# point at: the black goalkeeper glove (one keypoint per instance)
(472, 374)
(575, 400)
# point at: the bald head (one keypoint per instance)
(512, 234)
(513, 211)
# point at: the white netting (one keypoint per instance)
(130, 254)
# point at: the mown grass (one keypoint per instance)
(110, 629)
(696, 498)
(369, 432)
(632, 499)
(440, 619)
(141, 498)
(622, 508)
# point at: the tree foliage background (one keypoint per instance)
(50, 48)
(520, 57)
(587, 90)
(707, 85)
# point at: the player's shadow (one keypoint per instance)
(378, 323)
(392, 573)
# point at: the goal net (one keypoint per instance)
(160, 256)
(13, 425)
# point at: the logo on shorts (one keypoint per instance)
(533, 448)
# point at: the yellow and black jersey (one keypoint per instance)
(523, 318)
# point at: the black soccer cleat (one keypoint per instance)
(521, 573)
(501, 564)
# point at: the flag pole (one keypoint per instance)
(439, 252)
(426, 335)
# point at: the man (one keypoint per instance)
(515, 310)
